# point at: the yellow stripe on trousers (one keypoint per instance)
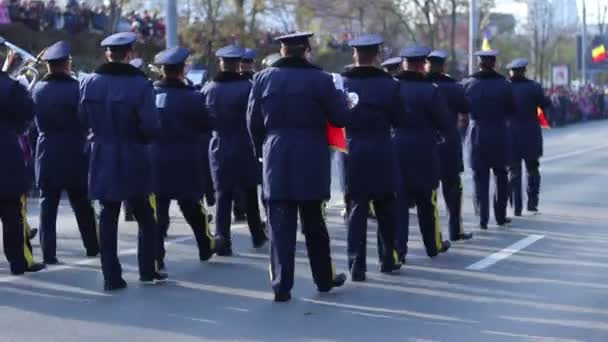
(27, 252)
(437, 226)
(152, 204)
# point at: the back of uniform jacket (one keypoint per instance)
(371, 166)
(233, 163)
(289, 107)
(415, 135)
(525, 128)
(118, 105)
(61, 162)
(178, 169)
(450, 150)
(15, 114)
(492, 103)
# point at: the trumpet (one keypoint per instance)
(19, 64)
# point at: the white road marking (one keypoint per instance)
(574, 153)
(504, 253)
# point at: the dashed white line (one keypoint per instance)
(504, 253)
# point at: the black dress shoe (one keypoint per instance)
(357, 274)
(35, 267)
(402, 258)
(517, 213)
(223, 247)
(390, 268)
(282, 297)
(483, 226)
(463, 236)
(206, 256)
(33, 232)
(260, 241)
(338, 281)
(445, 246)
(51, 261)
(506, 222)
(533, 211)
(115, 285)
(239, 218)
(155, 277)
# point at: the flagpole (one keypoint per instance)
(171, 24)
(584, 45)
(473, 34)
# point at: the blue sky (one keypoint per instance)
(520, 9)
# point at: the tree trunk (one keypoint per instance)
(453, 17)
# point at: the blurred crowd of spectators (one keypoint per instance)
(571, 105)
(78, 17)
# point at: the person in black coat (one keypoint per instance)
(451, 163)
(526, 136)
(178, 170)
(415, 140)
(14, 180)
(233, 164)
(61, 161)
(371, 173)
(289, 106)
(117, 105)
(492, 104)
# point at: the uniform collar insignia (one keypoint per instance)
(294, 62)
(119, 69)
(410, 76)
(171, 83)
(59, 77)
(487, 74)
(439, 77)
(228, 76)
(365, 72)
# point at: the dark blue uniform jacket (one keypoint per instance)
(233, 163)
(371, 167)
(289, 107)
(61, 160)
(526, 132)
(118, 105)
(492, 103)
(178, 169)
(450, 150)
(16, 113)
(415, 134)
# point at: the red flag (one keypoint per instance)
(542, 119)
(336, 137)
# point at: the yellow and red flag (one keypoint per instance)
(542, 119)
(336, 137)
(599, 54)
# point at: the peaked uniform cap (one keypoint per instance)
(176, 55)
(119, 39)
(57, 51)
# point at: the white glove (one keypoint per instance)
(338, 81)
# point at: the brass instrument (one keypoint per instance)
(19, 64)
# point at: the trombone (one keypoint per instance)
(23, 68)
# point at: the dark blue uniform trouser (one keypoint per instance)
(451, 187)
(533, 174)
(239, 204)
(283, 228)
(481, 176)
(196, 216)
(252, 210)
(143, 209)
(428, 220)
(14, 234)
(85, 218)
(357, 231)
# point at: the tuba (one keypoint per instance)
(19, 64)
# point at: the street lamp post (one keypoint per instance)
(473, 34)
(584, 45)
(171, 24)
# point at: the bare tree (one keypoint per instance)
(602, 15)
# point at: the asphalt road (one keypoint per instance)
(543, 279)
